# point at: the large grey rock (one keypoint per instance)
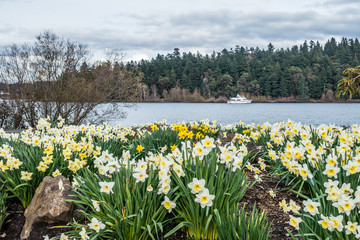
(48, 204)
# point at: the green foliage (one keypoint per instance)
(30, 157)
(129, 212)
(237, 224)
(350, 83)
(227, 186)
(151, 174)
(3, 213)
(159, 138)
(306, 71)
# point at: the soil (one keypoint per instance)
(258, 194)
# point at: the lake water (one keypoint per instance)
(344, 114)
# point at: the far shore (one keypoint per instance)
(256, 101)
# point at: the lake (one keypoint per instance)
(344, 114)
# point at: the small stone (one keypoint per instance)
(48, 204)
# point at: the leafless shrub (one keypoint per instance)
(53, 78)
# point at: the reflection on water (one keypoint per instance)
(344, 114)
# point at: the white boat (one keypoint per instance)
(239, 99)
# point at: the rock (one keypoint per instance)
(48, 204)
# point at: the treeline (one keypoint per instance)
(300, 72)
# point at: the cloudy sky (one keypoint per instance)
(143, 28)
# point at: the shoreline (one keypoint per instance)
(258, 101)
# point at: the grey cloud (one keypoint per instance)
(214, 30)
(340, 2)
(199, 19)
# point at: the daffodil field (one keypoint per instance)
(150, 181)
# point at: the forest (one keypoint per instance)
(310, 71)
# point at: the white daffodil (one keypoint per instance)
(204, 198)
(311, 207)
(330, 184)
(103, 170)
(106, 187)
(140, 176)
(351, 168)
(83, 234)
(164, 188)
(200, 151)
(336, 223)
(26, 176)
(331, 171)
(295, 222)
(294, 207)
(272, 193)
(345, 204)
(64, 237)
(304, 172)
(96, 225)
(325, 222)
(208, 142)
(96, 204)
(352, 227)
(196, 185)
(169, 205)
(149, 188)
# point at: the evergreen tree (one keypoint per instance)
(271, 72)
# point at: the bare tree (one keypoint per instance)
(52, 78)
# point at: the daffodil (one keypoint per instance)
(294, 207)
(96, 204)
(311, 207)
(47, 159)
(169, 205)
(208, 142)
(140, 176)
(141, 166)
(42, 167)
(204, 198)
(64, 237)
(26, 176)
(56, 173)
(304, 172)
(345, 204)
(3, 166)
(351, 168)
(295, 222)
(352, 227)
(139, 148)
(164, 188)
(272, 193)
(149, 188)
(106, 187)
(154, 127)
(83, 234)
(325, 222)
(331, 171)
(200, 151)
(284, 206)
(334, 194)
(96, 225)
(196, 185)
(336, 223)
